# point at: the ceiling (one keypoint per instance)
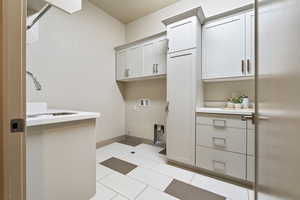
(129, 10)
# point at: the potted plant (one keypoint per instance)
(230, 104)
(238, 102)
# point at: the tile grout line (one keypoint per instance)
(104, 176)
(141, 192)
(148, 185)
(114, 191)
(194, 175)
(151, 157)
(114, 196)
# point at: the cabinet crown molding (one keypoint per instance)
(189, 13)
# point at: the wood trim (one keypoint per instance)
(13, 99)
(1, 104)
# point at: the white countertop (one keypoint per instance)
(47, 118)
(225, 111)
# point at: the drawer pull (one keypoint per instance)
(219, 123)
(219, 142)
(219, 166)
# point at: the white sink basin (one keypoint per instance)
(55, 114)
(36, 108)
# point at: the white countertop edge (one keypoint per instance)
(225, 111)
(45, 120)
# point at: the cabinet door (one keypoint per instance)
(161, 48)
(121, 65)
(181, 35)
(149, 62)
(135, 61)
(250, 44)
(224, 48)
(181, 115)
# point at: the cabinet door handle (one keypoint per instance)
(219, 166)
(219, 142)
(219, 123)
(153, 68)
(126, 72)
(167, 107)
(243, 66)
(157, 68)
(248, 66)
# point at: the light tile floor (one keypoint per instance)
(149, 180)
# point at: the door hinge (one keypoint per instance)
(17, 125)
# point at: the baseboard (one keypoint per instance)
(120, 138)
(210, 174)
(143, 140)
(110, 141)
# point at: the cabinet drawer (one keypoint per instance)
(227, 163)
(251, 142)
(222, 121)
(228, 139)
(250, 168)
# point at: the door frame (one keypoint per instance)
(256, 94)
(13, 100)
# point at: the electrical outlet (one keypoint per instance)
(144, 102)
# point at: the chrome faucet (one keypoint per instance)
(37, 84)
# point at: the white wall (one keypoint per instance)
(140, 121)
(74, 60)
(151, 24)
(221, 91)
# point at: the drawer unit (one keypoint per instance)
(225, 144)
(250, 142)
(227, 163)
(222, 121)
(222, 138)
(250, 168)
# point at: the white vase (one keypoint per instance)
(245, 103)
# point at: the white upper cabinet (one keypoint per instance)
(122, 71)
(182, 34)
(134, 61)
(149, 58)
(224, 48)
(145, 60)
(228, 48)
(155, 57)
(161, 49)
(250, 43)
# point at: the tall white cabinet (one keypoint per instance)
(228, 47)
(184, 71)
(181, 92)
